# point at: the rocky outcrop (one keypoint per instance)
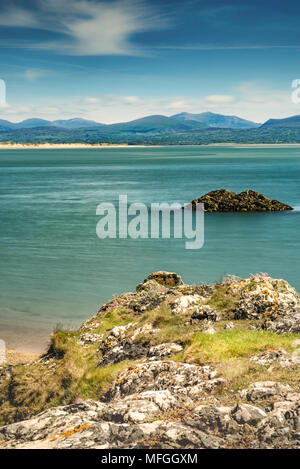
(205, 312)
(288, 322)
(167, 279)
(186, 304)
(273, 357)
(156, 419)
(172, 386)
(223, 200)
(263, 390)
(124, 343)
(182, 379)
(273, 301)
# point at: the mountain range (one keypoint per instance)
(75, 123)
(183, 128)
(292, 122)
(210, 119)
(180, 122)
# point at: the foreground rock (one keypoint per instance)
(274, 357)
(223, 200)
(273, 301)
(182, 379)
(166, 366)
(123, 344)
(157, 419)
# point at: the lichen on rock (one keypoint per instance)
(166, 366)
(223, 200)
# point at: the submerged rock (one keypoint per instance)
(223, 200)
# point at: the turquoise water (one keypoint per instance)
(54, 269)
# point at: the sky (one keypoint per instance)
(119, 60)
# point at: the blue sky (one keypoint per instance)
(114, 61)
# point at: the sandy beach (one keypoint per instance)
(57, 146)
(73, 146)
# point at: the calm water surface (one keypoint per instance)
(55, 270)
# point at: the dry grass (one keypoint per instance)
(224, 301)
(72, 370)
(229, 351)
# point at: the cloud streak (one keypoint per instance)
(87, 27)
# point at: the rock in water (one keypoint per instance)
(223, 200)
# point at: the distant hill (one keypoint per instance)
(292, 122)
(153, 124)
(75, 123)
(32, 123)
(150, 124)
(210, 119)
(6, 125)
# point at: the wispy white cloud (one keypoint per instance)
(219, 99)
(88, 27)
(91, 100)
(12, 15)
(208, 47)
(182, 104)
(32, 74)
(133, 100)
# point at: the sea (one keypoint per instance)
(56, 272)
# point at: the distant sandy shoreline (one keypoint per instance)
(62, 146)
(53, 146)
